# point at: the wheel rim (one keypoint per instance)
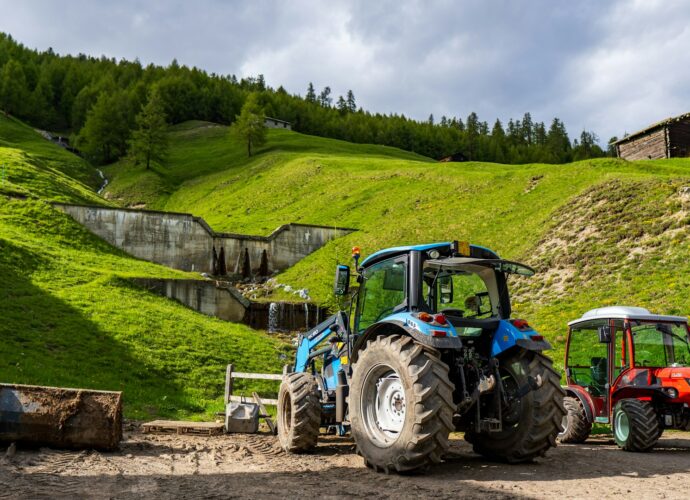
(286, 414)
(622, 426)
(564, 424)
(383, 405)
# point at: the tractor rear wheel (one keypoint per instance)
(401, 404)
(299, 412)
(530, 423)
(635, 425)
(576, 425)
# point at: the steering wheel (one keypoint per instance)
(384, 313)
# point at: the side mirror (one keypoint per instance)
(604, 334)
(342, 280)
(445, 288)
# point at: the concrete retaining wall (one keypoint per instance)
(206, 297)
(186, 242)
(227, 303)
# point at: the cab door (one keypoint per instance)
(621, 356)
(588, 364)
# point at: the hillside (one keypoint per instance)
(33, 166)
(71, 318)
(600, 231)
(202, 148)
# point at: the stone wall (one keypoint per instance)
(186, 242)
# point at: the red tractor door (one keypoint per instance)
(621, 356)
(589, 364)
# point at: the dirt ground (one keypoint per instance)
(253, 466)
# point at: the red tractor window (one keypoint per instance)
(660, 344)
(587, 359)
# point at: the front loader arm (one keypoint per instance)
(336, 324)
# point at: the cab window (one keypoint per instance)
(382, 291)
(588, 358)
(621, 361)
(660, 344)
(470, 296)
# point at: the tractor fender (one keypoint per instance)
(392, 326)
(584, 398)
(642, 392)
(508, 337)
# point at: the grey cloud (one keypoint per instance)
(610, 67)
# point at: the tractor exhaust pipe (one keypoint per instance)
(60, 418)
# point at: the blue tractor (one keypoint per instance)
(430, 349)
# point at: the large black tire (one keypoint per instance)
(635, 425)
(415, 381)
(577, 426)
(531, 423)
(299, 412)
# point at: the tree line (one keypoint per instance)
(100, 102)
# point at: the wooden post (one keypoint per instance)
(264, 413)
(228, 383)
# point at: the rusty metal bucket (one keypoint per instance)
(59, 417)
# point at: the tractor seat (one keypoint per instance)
(599, 370)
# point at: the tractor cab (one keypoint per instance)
(616, 355)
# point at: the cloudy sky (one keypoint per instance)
(611, 66)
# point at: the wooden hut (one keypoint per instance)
(668, 138)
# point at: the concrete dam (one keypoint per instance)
(186, 242)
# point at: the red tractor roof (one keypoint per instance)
(626, 312)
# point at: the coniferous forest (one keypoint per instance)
(95, 102)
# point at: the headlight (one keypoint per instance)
(671, 392)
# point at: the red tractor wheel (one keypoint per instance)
(576, 425)
(635, 425)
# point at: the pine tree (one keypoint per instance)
(325, 97)
(351, 105)
(13, 89)
(472, 131)
(342, 105)
(557, 142)
(104, 136)
(611, 148)
(149, 141)
(311, 94)
(250, 126)
(527, 131)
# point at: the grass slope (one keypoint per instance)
(44, 154)
(71, 318)
(202, 148)
(524, 212)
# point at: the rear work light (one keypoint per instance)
(426, 317)
(441, 319)
(520, 324)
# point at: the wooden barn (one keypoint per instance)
(668, 138)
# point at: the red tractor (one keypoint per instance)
(629, 368)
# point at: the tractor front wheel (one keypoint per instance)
(401, 404)
(299, 412)
(635, 425)
(532, 417)
(576, 425)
